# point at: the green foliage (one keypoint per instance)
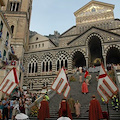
(72, 79)
(34, 111)
(112, 75)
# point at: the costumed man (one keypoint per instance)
(64, 109)
(87, 76)
(84, 88)
(115, 103)
(71, 103)
(95, 111)
(43, 110)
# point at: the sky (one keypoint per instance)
(58, 15)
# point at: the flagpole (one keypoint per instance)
(108, 111)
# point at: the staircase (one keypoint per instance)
(84, 100)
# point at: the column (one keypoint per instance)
(104, 57)
(69, 64)
(86, 58)
(54, 68)
(12, 6)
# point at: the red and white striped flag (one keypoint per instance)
(61, 84)
(10, 82)
(106, 87)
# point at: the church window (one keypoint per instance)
(39, 45)
(1, 26)
(65, 63)
(46, 66)
(12, 28)
(36, 38)
(30, 68)
(43, 66)
(43, 45)
(17, 6)
(57, 65)
(33, 68)
(62, 61)
(32, 46)
(93, 9)
(14, 6)
(29, 47)
(36, 46)
(50, 66)
(36, 68)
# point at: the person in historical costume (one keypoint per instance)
(88, 77)
(84, 88)
(77, 108)
(71, 103)
(80, 75)
(95, 111)
(43, 112)
(64, 109)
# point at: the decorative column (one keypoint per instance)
(54, 66)
(104, 57)
(86, 58)
(69, 64)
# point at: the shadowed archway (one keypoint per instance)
(78, 60)
(113, 56)
(95, 51)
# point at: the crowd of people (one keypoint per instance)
(68, 107)
(17, 102)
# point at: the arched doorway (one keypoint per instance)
(113, 56)
(78, 60)
(95, 51)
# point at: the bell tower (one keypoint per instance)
(18, 13)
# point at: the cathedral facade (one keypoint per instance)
(94, 39)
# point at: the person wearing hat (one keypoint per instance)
(95, 111)
(64, 110)
(43, 112)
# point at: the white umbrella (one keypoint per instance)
(64, 118)
(21, 116)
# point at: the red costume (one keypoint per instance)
(65, 110)
(95, 111)
(44, 110)
(84, 87)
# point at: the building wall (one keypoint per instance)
(99, 26)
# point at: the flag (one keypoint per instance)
(10, 82)
(106, 87)
(61, 84)
(86, 74)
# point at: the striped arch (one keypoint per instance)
(46, 62)
(111, 46)
(78, 58)
(78, 50)
(94, 34)
(112, 53)
(61, 60)
(43, 57)
(33, 56)
(32, 63)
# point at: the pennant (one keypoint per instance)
(10, 82)
(61, 84)
(106, 87)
